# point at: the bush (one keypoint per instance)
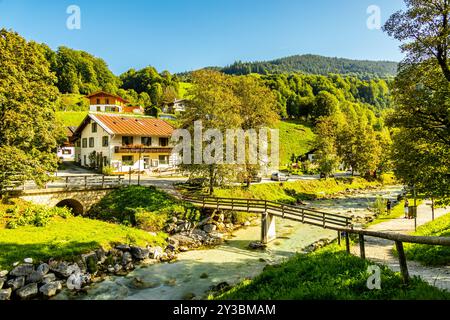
(33, 215)
(108, 170)
(151, 221)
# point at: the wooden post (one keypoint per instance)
(432, 208)
(103, 182)
(362, 248)
(129, 176)
(85, 182)
(339, 238)
(347, 242)
(67, 182)
(402, 261)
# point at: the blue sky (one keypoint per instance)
(180, 35)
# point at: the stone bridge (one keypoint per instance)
(78, 200)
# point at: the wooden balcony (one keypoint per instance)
(142, 149)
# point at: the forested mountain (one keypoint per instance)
(80, 73)
(314, 64)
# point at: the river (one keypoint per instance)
(194, 272)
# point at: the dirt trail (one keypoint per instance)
(380, 250)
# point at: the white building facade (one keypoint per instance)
(125, 143)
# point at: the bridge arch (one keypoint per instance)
(73, 205)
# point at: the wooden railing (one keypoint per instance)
(73, 182)
(285, 211)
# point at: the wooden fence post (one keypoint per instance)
(402, 261)
(362, 248)
(339, 237)
(347, 242)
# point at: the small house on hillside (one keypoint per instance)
(106, 102)
(124, 142)
(179, 105)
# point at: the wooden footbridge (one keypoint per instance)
(271, 209)
(342, 224)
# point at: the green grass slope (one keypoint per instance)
(431, 255)
(328, 274)
(295, 138)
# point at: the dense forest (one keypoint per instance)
(80, 73)
(314, 64)
(298, 95)
(312, 96)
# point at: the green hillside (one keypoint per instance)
(295, 138)
(71, 118)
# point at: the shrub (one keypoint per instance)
(33, 215)
(151, 221)
(108, 170)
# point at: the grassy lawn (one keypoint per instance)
(289, 192)
(65, 238)
(71, 118)
(295, 139)
(328, 274)
(431, 255)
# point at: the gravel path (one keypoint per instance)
(380, 250)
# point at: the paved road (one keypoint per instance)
(380, 250)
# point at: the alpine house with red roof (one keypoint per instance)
(124, 142)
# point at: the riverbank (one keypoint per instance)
(328, 274)
(196, 273)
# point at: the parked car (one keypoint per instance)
(277, 176)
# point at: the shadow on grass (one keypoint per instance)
(13, 252)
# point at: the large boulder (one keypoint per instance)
(3, 273)
(49, 277)
(43, 269)
(139, 253)
(65, 270)
(51, 289)
(35, 277)
(155, 252)
(101, 255)
(91, 261)
(22, 270)
(210, 228)
(5, 294)
(27, 292)
(126, 258)
(123, 247)
(16, 283)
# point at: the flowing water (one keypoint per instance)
(195, 272)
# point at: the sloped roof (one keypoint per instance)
(139, 126)
(106, 94)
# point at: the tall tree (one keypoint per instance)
(421, 93)
(424, 29)
(29, 132)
